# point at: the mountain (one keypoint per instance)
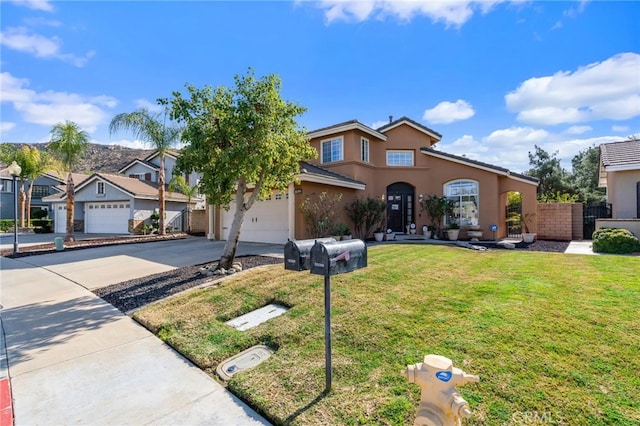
(100, 158)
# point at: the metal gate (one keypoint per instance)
(591, 212)
(514, 228)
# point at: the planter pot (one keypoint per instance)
(474, 235)
(390, 237)
(346, 237)
(427, 235)
(378, 236)
(528, 237)
(453, 234)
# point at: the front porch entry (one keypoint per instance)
(400, 206)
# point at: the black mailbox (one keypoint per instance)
(338, 257)
(297, 253)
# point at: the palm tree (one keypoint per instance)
(35, 164)
(68, 143)
(151, 129)
(180, 184)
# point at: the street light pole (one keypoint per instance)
(14, 171)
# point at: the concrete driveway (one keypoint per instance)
(74, 359)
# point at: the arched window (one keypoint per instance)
(466, 203)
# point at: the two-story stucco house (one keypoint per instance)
(396, 163)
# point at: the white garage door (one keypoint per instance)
(266, 221)
(61, 218)
(107, 217)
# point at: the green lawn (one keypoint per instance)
(553, 337)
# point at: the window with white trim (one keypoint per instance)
(332, 150)
(6, 185)
(100, 190)
(464, 195)
(400, 158)
(364, 150)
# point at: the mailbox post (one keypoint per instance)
(326, 257)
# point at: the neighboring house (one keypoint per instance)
(110, 203)
(148, 170)
(395, 163)
(45, 185)
(620, 175)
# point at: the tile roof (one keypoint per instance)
(149, 164)
(308, 168)
(475, 163)
(134, 187)
(621, 154)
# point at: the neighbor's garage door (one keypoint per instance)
(61, 218)
(107, 218)
(266, 221)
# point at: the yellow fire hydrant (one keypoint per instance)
(440, 402)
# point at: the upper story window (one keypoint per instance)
(332, 150)
(141, 176)
(6, 185)
(364, 150)
(464, 194)
(400, 158)
(39, 191)
(100, 190)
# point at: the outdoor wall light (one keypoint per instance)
(14, 171)
(420, 197)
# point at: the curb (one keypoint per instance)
(6, 400)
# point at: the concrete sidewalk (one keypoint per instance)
(74, 359)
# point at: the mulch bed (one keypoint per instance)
(133, 294)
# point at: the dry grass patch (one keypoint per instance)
(551, 335)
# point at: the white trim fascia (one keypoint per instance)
(408, 123)
(477, 166)
(329, 181)
(346, 128)
(142, 163)
(623, 168)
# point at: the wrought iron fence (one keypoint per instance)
(591, 212)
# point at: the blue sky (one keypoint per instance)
(493, 77)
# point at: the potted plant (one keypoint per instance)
(343, 231)
(390, 236)
(453, 231)
(525, 221)
(426, 232)
(378, 234)
(436, 207)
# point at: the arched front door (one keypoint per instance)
(400, 206)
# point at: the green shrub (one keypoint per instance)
(41, 226)
(615, 240)
(39, 214)
(5, 224)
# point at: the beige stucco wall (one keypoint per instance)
(621, 193)
(632, 225)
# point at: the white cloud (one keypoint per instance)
(528, 135)
(620, 128)
(20, 39)
(447, 112)
(44, 5)
(602, 90)
(578, 130)
(50, 107)
(5, 126)
(152, 107)
(454, 13)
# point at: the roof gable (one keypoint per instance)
(143, 163)
(312, 173)
(409, 122)
(345, 127)
(131, 186)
